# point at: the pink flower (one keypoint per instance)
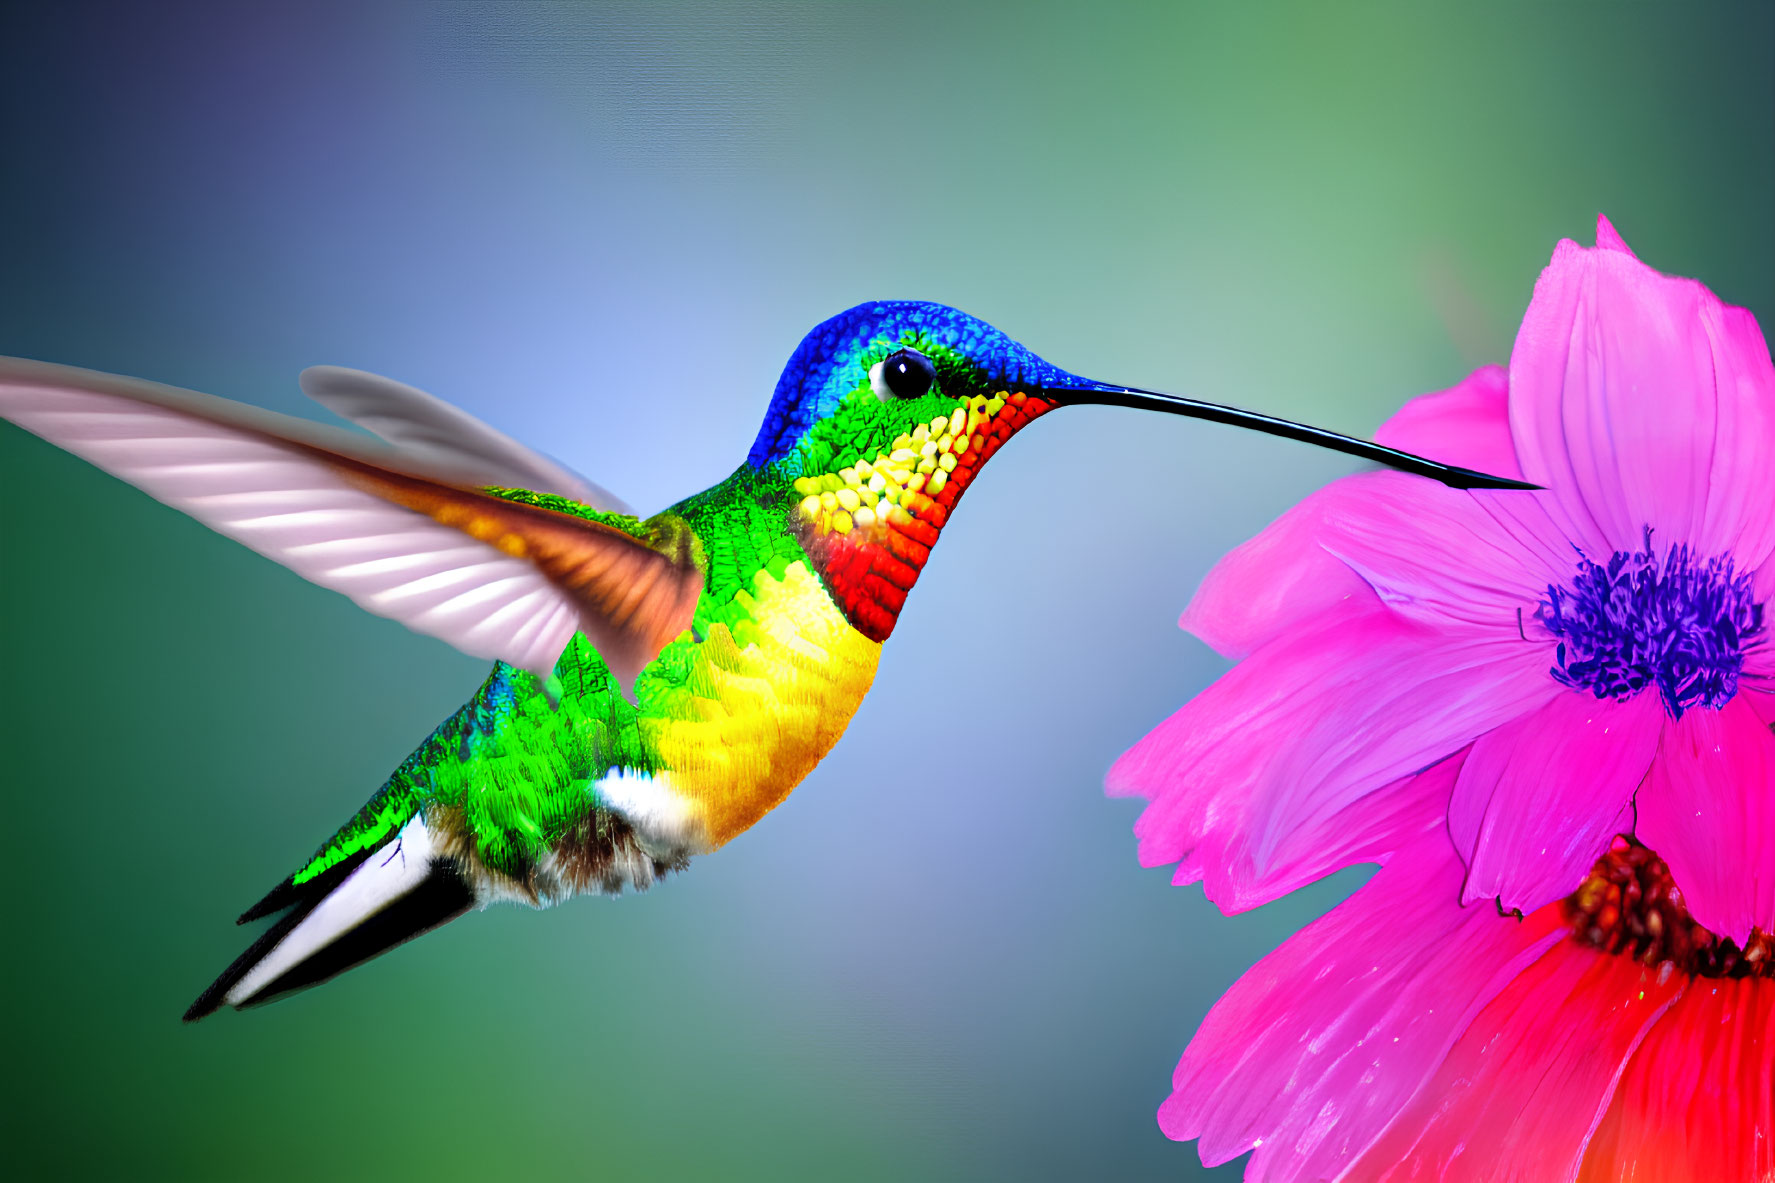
(1403, 1036)
(1598, 650)
(1560, 701)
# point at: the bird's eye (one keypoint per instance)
(904, 373)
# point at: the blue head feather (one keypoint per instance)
(827, 365)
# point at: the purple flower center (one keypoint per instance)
(1682, 624)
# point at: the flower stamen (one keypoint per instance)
(1682, 624)
(1629, 905)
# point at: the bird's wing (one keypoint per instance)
(405, 538)
(425, 426)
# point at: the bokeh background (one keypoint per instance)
(603, 227)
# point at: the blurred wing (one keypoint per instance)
(402, 538)
(427, 427)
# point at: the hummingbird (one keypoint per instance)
(659, 684)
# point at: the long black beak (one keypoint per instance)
(1452, 475)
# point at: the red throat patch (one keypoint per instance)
(869, 528)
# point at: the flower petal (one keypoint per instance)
(1437, 555)
(1273, 584)
(1517, 1097)
(1708, 809)
(1539, 798)
(1369, 830)
(1609, 239)
(1741, 500)
(1311, 1054)
(1536, 524)
(1761, 702)
(1612, 400)
(1697, 1102)
(1467, 425)
(1640, 400)
(1304, 728)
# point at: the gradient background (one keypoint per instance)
(603, 228)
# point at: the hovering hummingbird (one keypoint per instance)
(659, 684)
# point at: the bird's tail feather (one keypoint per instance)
(341, 919)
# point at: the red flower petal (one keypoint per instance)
(1697, 1102)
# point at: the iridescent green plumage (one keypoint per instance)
(517, 763)
(520, 761)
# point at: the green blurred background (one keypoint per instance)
(603, 228)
